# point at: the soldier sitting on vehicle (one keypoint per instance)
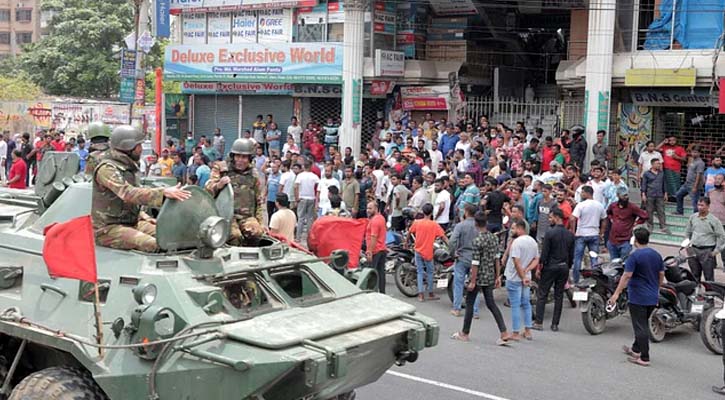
(98, 135)
(238, 170)
(116, 209)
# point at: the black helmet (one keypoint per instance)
(126, 138)
(577, 129)
(243, 146)
(409, 213)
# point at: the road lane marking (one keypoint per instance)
(446, 386)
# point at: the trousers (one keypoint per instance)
(703, 263)
(141, 237)
(471, 297)
(656, 205)
(378, 263)
(640, 324)
(552, 275)
(305, 216)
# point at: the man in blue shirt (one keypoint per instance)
(449, 141)
(82, 153)
(644, 272)
(272, 188)
(713, 171)
(472, 195)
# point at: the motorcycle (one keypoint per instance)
(709, 323)
(406, 273)
(594, 290)
(679, 300)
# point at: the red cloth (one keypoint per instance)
(69, 250)
(669, 162)
(39, 147)
(18, 169)
(330, 233)
(58, 145)
(547, 156)
(376, 226)
(318, 151)
(426, 232)
(291, 243)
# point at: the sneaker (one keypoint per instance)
(638, 361)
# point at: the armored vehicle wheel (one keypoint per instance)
(58, 383)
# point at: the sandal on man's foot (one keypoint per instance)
(460, 337)
(628, 351)
(638, 361)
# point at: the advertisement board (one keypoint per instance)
(274, 26)
(283, 62)
(244, 27)
(389, 63)
(453, 7)
(194, 28)
(115, 114)
(74, 117)
(179, 6)
(162, 20)
(219, 28)
(245, 88)
(699, 97)
(425, 97)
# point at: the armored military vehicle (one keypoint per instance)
(199, 320)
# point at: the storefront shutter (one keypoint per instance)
(217, 112)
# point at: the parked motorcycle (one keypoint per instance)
(594, 290)
(406, 273)
(709, 323)
(679, 300)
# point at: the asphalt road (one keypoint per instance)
(566, 364)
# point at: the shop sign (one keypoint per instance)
(335, 13)
(238, 88)
(127, 91)
(332, 91)
(673, 98)
(650, 77)
(425, 97)
(162, 19)
(389, 63)
(115, 114)
(444, 8)
(283, 62)
(178, 6)
(274, 26)
(128, 63)
(312, 15)
(384, 18)
(73, 116)
(244, 27)
(219, 28)
(381, 88)
(194, 27)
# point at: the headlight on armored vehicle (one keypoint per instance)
(213, 232)
(145, 294)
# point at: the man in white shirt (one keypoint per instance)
(283, 220)
(322, 189)
(646, 157)
(287, 182)
(295, 130)
(420, 194)
(306, 197)
(553, 175)
(435, 156)
(587, 218)
(442, 204)
(598, 185)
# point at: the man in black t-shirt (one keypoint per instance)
(493, 203)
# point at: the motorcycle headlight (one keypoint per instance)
(213, 232)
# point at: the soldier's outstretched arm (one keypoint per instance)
(112, 180)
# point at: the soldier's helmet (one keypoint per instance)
(243, 146)
(125, 138)
(98, 129)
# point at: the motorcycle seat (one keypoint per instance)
(686, 287)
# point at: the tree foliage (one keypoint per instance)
(18, 87)
(77, 58)
(155, 59)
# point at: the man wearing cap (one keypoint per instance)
(116, 203)
(553, 175)
(622, 216)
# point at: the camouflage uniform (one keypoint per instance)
(116, 212)
(247, 198)
(97, 151)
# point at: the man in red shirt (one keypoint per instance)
(673, 156)
(426, 232)
(58, 143)
(375, 241)
(623, 215)
(17, 172)
(547, 154)
(317, 149)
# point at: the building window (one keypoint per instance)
(4, 37)
(24, 15)
(24, 37)
(4, 15)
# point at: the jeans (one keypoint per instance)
(378, 263)
(305, 216)
(552, 275)
(680, 196)
(494, 227)
(424, 266)
(471, 297)
(520, 299)
(591, 242)
(621, 250)
(640, 324)
(656, 205)
(271, 208)
(460, 271)
(702, 263)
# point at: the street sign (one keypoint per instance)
(128, 63)
(162, 22)
(146, 42)
(127, 93)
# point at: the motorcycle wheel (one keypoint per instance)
(657, 330)
(406, 279)
(710, 330)
(595, 319)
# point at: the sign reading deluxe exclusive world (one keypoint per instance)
(284, 62)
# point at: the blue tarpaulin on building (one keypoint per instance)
(698, 24)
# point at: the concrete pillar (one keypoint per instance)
(352, 75)
(598, 84)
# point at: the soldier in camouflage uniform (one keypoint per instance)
(247, 220)
(116, 209)
(98, 135)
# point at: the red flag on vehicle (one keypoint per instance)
(69, 250)
(337, 233)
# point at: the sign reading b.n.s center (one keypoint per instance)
(241, 62)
